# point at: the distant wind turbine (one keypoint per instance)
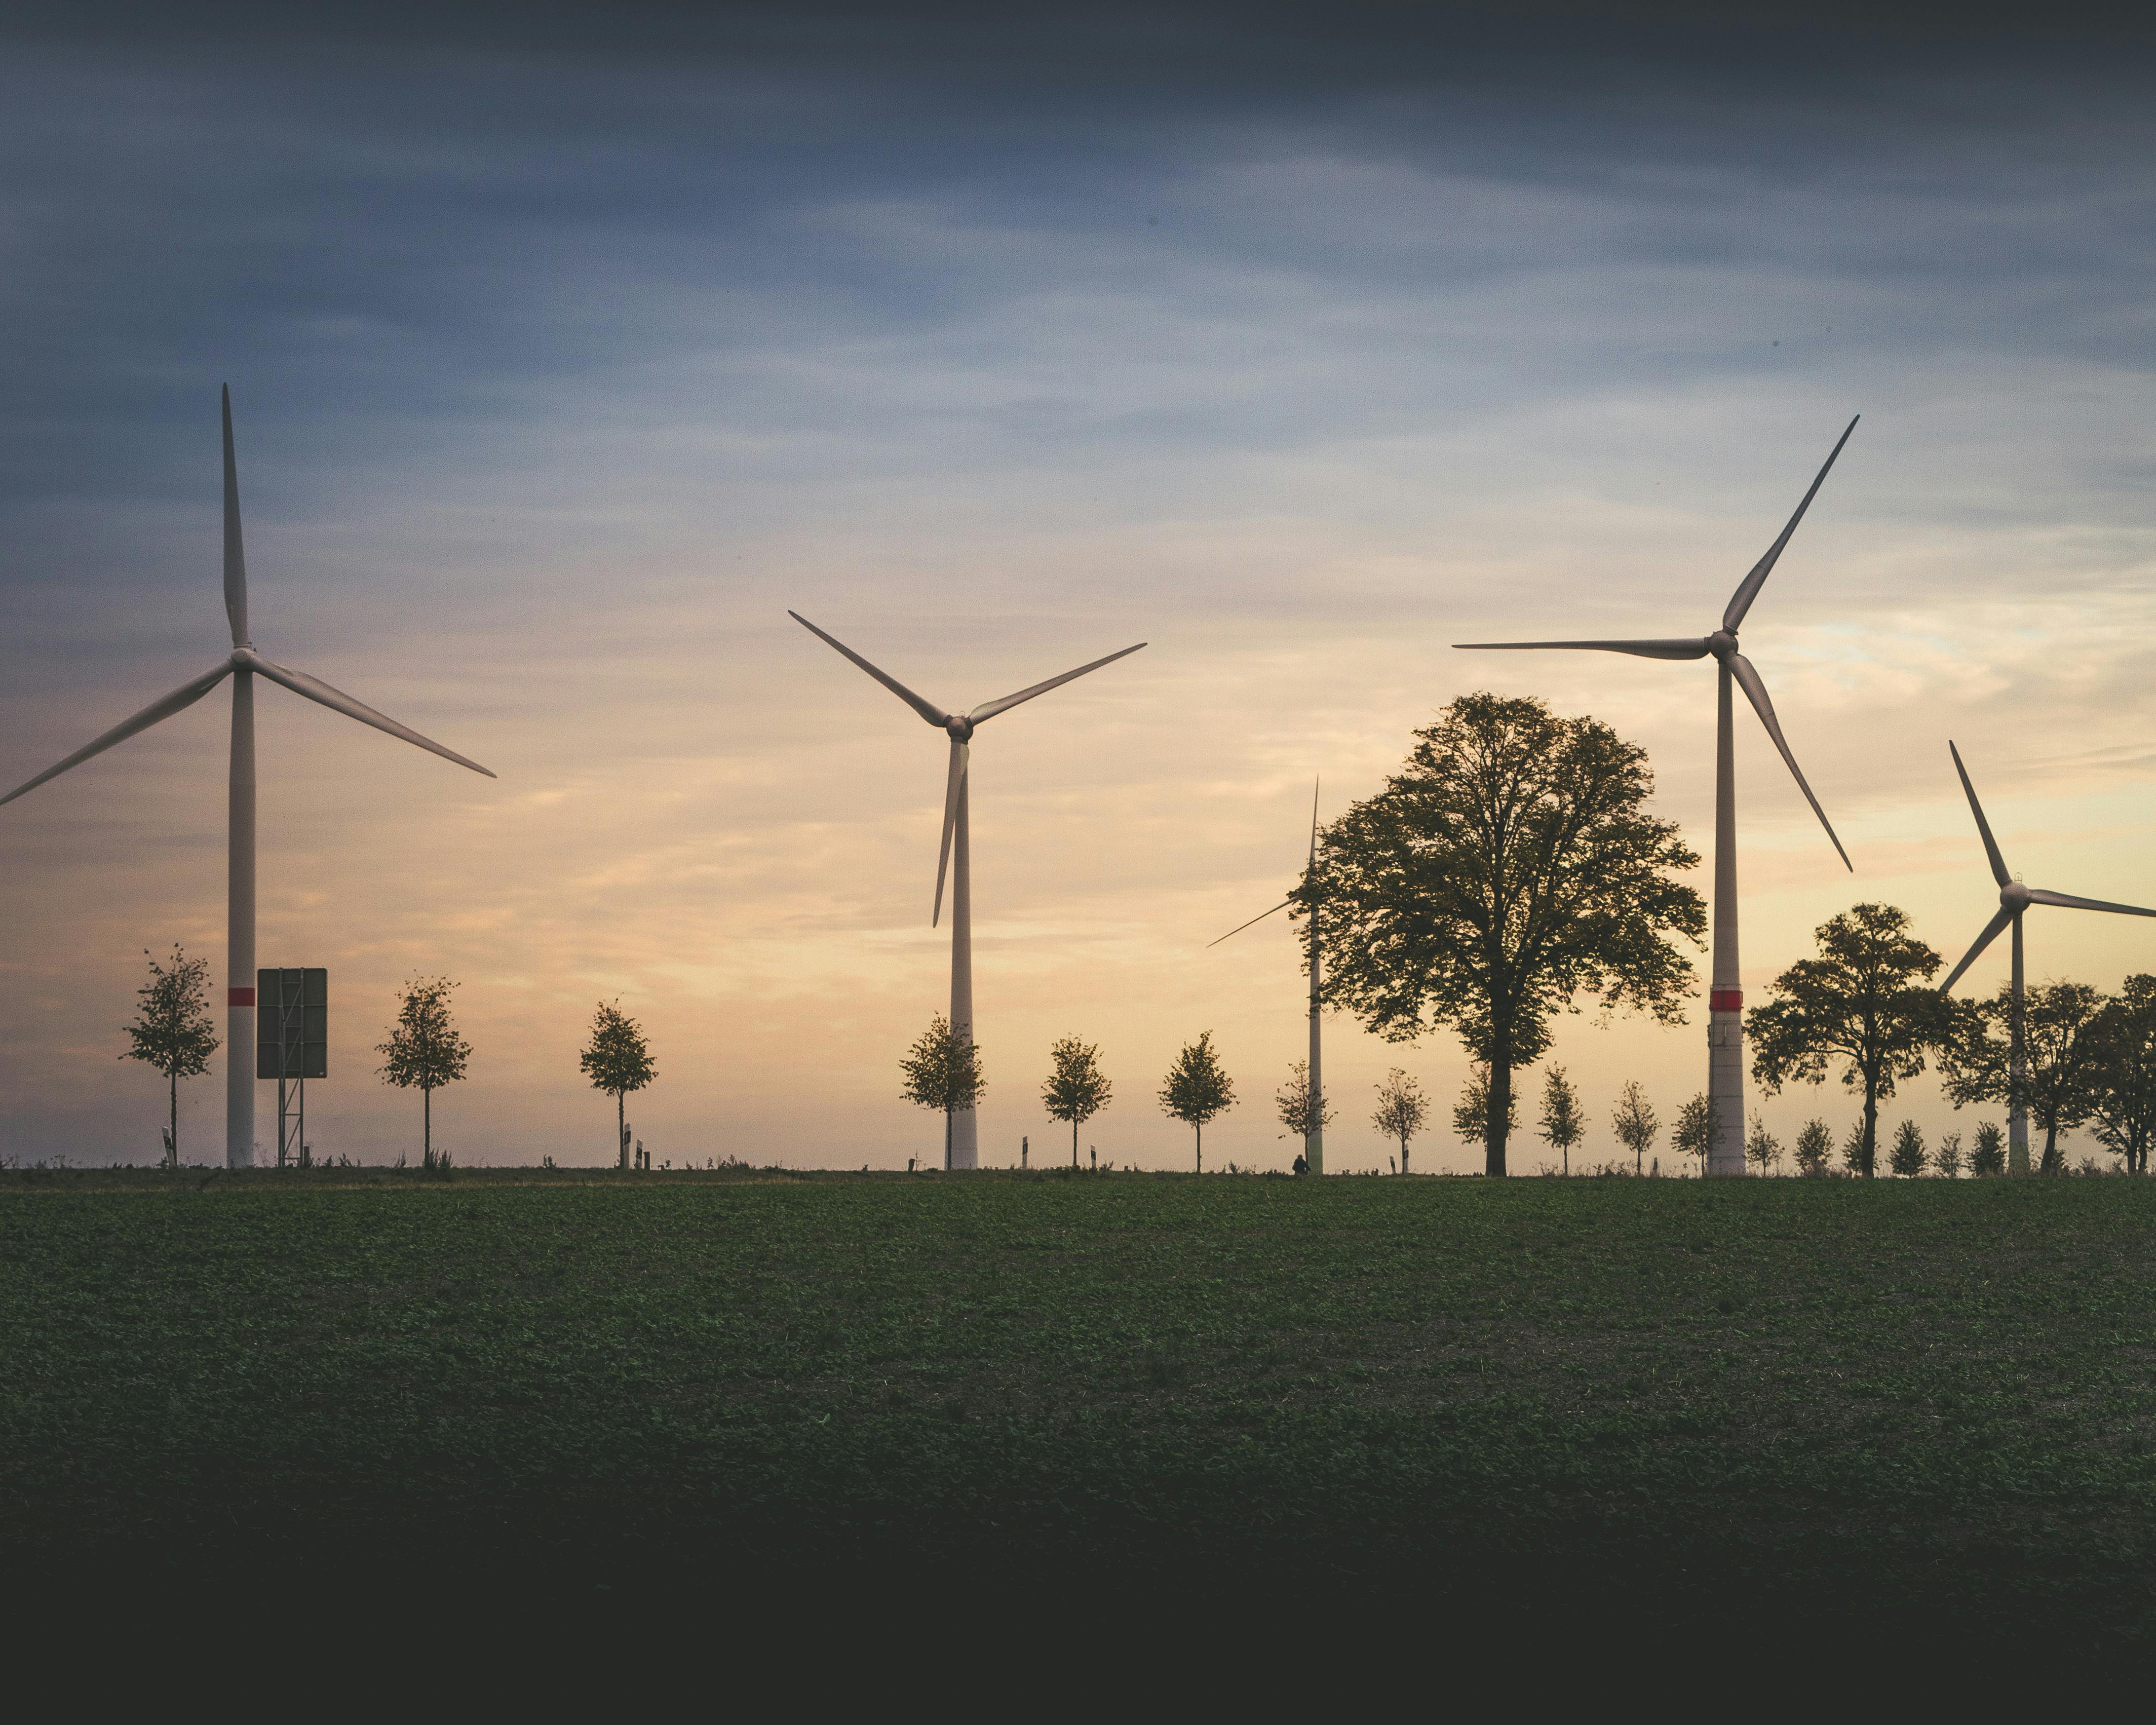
(1313, 1141)
(242, 667)
(2015, 898)
(1725, 1036)
(965, 1138)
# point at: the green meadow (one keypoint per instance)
(1793, 1401)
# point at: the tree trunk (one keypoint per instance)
(427, 1127)
(947, 1140)
(1200, 1130)
(1500, 1109)
(2053, 1162)
(1404, 1152)
(173, 1156)
(1870, 1125)
(1074, 1145)
(621, 1129)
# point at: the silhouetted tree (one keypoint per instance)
(172, 1030)
(1402, 1109)
(1470, 1114)
(2056, 1022)
(1987, 1155)
(1564, 1122)
(1947, 1158)
(1694, 1133)
(1633, 1120)
(617, 1060)
(424, 1050)
(1076, 1089)
(1909, 1157)
(1813, 1149)
(943, 1073)
(1762, 1148)
(1301, 1110)
(1859, 1004)
(2122, 1074)
(1197, 1089)
(1508, 870)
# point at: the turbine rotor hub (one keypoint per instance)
(2014, 896)
(1722, 642)
(960, 727)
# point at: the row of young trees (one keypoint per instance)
(172, 1031)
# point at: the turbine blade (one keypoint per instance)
(1747, 589)
(185, 695)
(1992, 930)
(1983, 826)
(989, 709)
(2038, 895)
(235, 552)
(1252, 923)
(935, 715)
(338, 701)
(1693, 647)
(1756, 692)
(953, 786)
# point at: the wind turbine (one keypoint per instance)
(1313, 1141)
(1725, 1000)
(965, 1138)
(2015, 898)
(243, 666)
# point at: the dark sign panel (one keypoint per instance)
(292, 1023)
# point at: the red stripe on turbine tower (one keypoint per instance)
(239, 996)
(1725, 1000)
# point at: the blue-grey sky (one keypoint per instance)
(568, 350)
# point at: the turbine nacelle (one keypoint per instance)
(1721, 644)
(960, 727)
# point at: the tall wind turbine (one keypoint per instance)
(965, 1137)
(1313, 1141)
(1725, 1035)
(2015, 898)
(243, 666)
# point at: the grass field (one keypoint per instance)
(1840, 1400)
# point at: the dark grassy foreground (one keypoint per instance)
(1780, 1401)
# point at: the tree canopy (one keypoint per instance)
(425, 1050)
(1634, 1122)
(1694, 1133)
(1507, 870)
(1860, 1004)
(172, 1030)
(2058, 1034)
(1301, 1109)
(617, 1060)
(1564, 1121)
(2122, 1110)
(941, 1072)
(1402, 1108)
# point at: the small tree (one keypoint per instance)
(1857, 1148)
(172, 1031)
(617, 1060)
(1198, 1089)
(1909, 1157)
(943, 1073)
(1814, 1145)
(1693, 1134)
(1076, 1089)
(1470, 1114)
(1987, 1156)
(1762, 1148)
(1564, 1122)
(424, 1050)
(1402, 1109)
(1947, 1158)
(1858, 1005)
(1301, 1110)
(1633, 1122)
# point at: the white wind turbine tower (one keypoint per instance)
(244, 664)
(1313, 1141)
(965, 1137)
(2015, 898)
(1725, 1035)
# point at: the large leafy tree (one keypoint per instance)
(2122, 1074)
(1197, 1089)
(425, 1050)
(1507, 870)
(941, 1072)
(172, 1031)
(617, 1060)
(1861, 1005)
(1077, 1088)
(2061, 1040)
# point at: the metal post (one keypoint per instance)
(1725, 1000)
(239, 922)
(965, 1129)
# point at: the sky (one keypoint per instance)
(569, 349)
